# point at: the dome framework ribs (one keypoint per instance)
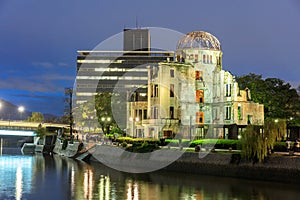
(199, 40)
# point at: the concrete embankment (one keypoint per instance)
(275, 168)
(279, 168)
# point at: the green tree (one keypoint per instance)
(41, 131)
(278, 98)
(257, 144)
(104, 111)
(36, 117)
(86, 115)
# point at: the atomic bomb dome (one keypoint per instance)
(199, 40)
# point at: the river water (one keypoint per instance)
(54, 177)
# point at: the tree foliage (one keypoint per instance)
(257, 144)
(41, 131)
(86, 115)
(279, 99)
(36, 117)
(104, 111)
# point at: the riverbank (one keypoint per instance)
(277, 167)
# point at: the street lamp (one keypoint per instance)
(106, 119)
(21, 110)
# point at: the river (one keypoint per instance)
(54, 177)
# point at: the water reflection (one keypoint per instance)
(46, 177)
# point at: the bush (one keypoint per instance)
(144, 147)
(217, 143)
(174, 142)
(280, 146)
(132, 141)
(124, 144)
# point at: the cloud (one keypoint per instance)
(16, 83)
(43, 64)
(62, 64)
(54, 77)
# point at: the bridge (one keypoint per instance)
(14, 133)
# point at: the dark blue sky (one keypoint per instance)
(39, 39)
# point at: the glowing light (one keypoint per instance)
(21, 109)
(17, 133)
(19, 183)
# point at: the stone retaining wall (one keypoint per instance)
(275, 168)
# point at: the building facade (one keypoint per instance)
(123, 73)
(193, 96)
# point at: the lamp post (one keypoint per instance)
(106, 120)
(21, 110)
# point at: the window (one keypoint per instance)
(172, 73)
(171, 90)
(155, 113)
(204, 59)
(240, 112)
(200, 96)
(249, 121)
(215, 114)
(172, 112)
(155, 91)
(199, 118)
(228, 90)
(228, 113)
(210, 59)
(196, 58)
(191, 56)
(145, 114)
(199, 75)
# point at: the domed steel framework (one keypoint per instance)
(199, 39)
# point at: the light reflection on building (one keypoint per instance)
(88, 183)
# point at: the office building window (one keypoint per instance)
(171, 90)
(145, 114)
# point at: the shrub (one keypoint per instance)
(144, 147)
(124, 144)
(280, 146)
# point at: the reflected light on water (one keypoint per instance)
(13, 171)
(19, 183)
(88, 184)
(104, 188)
(132, 190)
(72, 181)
